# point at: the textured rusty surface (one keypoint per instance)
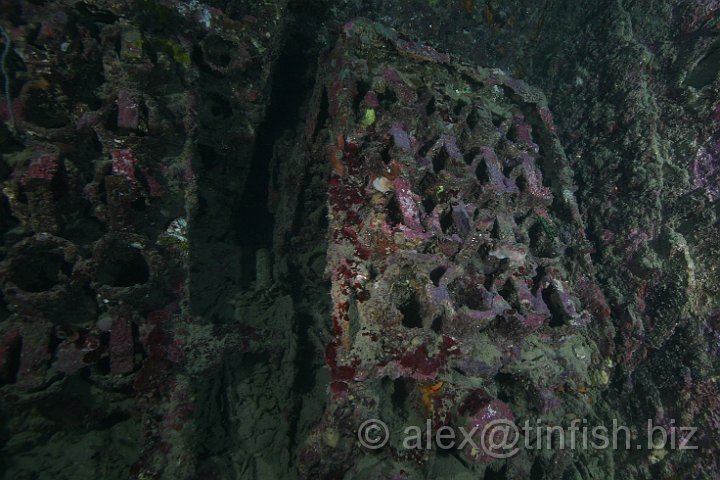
(232, 232)
(456, 250)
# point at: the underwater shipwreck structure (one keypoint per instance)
(268, 239)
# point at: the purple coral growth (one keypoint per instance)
(706, 169)
(408, 206)
(400, 137)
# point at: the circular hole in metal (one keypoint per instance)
(123, 266)
(39, 271)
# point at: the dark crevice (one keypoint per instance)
(13, 351)
(430, 107)
(522, 183)
(426, 148)
(291, 86)
(537, 470)
(481, 172)
(254, 223)
(472, 119)
(508, 293)
(507, 385)
(437, 274)
(470, 155)
(446, 222)
(439, 161)
(385, 155)
(387, 99)
(492, 474)
(400, 394)
(125, 267)
(305, 367)
(411, 313)
(497, 120)
(436, 325)
(495, 232)
(459, 105)
(394, 214)
(362, 89)
(428, 204)
(40, 272)
(558, 316)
